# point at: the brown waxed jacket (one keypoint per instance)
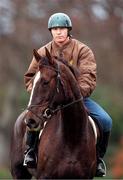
(78, 54)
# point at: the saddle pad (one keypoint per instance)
(93, 127)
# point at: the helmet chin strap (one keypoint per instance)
(69, 34)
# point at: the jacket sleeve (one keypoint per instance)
(28, 76)
(87, 67)
(33, 67)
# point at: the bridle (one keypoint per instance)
(48, 112)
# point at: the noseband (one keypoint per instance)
(49, 111)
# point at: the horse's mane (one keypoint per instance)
(46, 62)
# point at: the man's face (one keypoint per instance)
(59, 34)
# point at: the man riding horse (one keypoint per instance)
(81, 56)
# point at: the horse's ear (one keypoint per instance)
(48, 55)
(36, 55)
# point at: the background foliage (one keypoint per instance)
(23, 27)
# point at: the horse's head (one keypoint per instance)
(52, 86)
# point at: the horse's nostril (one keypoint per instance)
(31, 123)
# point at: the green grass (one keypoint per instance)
(5, 173)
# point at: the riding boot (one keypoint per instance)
(101, 150)
(30, 154)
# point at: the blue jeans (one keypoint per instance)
(99, 114)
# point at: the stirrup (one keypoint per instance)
(27, 154)
(103, 167)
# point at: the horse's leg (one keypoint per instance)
(18, 171)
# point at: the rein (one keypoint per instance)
(49, 112)
(67, 105)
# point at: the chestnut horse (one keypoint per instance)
(67, 143)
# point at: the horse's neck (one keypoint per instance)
(74, 122)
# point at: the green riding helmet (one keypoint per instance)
(59, 20)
